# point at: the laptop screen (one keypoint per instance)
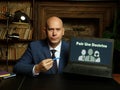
(91, 50)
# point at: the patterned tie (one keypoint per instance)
(55, 62)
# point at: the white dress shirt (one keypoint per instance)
(57, 53)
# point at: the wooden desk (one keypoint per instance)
(116, 77)
(59, 82)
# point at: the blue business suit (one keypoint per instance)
(36, 52)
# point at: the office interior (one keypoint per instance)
(82, 18)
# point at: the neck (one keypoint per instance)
(53, 45)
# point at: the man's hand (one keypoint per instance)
(44, 65)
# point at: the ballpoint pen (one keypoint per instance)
(56, 58)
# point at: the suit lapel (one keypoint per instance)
(61, 61)
(47, 54)
(46, 51)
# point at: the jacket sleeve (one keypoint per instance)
(24, 65)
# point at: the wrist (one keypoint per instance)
(37, 69)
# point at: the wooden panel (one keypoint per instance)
(78, 10)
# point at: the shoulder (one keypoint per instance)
(38, 43)
(65, 43)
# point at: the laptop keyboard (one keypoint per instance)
(89, 70)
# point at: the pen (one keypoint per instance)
(56, 58)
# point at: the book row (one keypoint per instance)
(24, 32)
(14, 52)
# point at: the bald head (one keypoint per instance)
(53, 20)
(54, 30)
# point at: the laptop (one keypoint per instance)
(91, 56)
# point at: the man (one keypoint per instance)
(37, 58)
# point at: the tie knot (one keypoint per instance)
(53, 53)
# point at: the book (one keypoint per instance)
(4, 73)
(10, 76)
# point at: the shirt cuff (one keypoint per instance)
(34, 74)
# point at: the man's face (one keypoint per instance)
(54, 31)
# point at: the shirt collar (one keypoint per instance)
(58, 47)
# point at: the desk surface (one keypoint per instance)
(59, 82)
(116, 77)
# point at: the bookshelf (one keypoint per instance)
(16, 47)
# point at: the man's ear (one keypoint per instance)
(44, 29)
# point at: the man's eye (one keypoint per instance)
(50, 29)
(58, 29)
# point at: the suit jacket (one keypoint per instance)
(35, 53)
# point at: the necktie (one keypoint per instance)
(55, 62)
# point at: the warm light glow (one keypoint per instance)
(22, 18)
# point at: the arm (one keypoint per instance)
(43, 66)
(25, 65)
(33, 56)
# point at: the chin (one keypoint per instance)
(54, 42)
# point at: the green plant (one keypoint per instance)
(113, 30)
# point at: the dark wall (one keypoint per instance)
(81, 0)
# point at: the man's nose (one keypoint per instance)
(54, 32)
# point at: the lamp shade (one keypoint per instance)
(21, 17)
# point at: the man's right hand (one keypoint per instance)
(44, 65)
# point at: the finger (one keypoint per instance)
(48, 60)
(47, 66)
(49, 63)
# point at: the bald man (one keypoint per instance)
(37, 58)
